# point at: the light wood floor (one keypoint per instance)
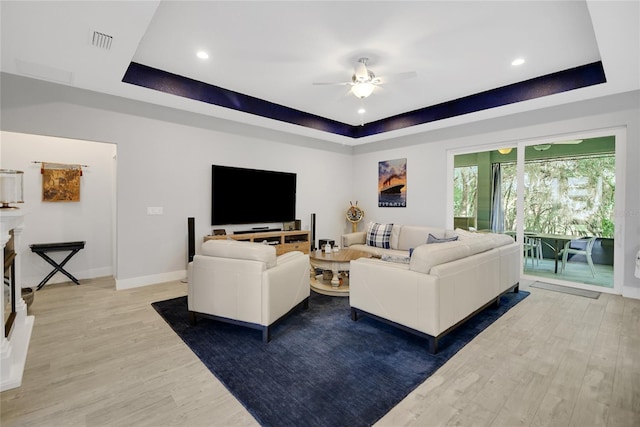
(578, 272)
(101, 357)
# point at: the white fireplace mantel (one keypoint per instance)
(13, 349)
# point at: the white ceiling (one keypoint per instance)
(275, 51)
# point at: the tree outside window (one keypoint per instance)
(465, 190)
(564, 196)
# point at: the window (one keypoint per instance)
(465, 191)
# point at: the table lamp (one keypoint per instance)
(11, 188)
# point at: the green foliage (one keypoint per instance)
(566, 196)
(607, 228)
(465, 190)
(562, 196)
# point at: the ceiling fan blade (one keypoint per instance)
(334, 83)
(395, 77)
(346, 94)
(361, 72)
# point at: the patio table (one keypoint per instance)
(559, 241)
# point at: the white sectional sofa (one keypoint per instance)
(439, 286)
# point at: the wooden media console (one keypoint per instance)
(283, 241)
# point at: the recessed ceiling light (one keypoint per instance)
(362, 111)
(202, 54)
(518, 61)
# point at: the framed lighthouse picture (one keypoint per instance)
(392, 183)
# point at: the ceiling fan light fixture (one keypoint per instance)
(542, 147)
(505, 150)
(362, 90)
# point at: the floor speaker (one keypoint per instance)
(313, 231)
(191, 231)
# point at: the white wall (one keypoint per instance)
(165, 157)
(90, 219)
(169, 165)
(427, 157)
(164, 160)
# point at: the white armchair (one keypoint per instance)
(245, 283)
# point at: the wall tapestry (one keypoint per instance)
(392, 183)
(60, 182)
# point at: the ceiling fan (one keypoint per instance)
(544, 147)
(364, 81)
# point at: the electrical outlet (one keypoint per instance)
(155, 210)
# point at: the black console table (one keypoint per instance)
(43, 248)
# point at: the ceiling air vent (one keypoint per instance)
(101, 40)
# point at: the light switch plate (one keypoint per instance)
(154, 210)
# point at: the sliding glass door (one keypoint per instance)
(568, 197)
(569, 205)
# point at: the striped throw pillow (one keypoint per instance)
(378, 235)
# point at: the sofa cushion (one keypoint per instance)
(378, 252)
(466, 234)
(501, 239)
(412, 236)
(357, 238)
(434, 239)
(498, 239)
(395, 236)
(240, 250)
(480, 244)
(378, 235)
(426, 256)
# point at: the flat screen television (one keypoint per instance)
(250, 196)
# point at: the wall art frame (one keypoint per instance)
(392, 183)
(60, 182)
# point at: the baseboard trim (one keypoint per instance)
(138, 282)
(33, 281)
(631, 292)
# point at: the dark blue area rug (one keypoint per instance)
(321, 368)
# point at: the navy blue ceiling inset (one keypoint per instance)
(562, 81)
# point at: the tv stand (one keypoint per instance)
(257, 230)
(283, 241)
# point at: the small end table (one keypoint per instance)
(43, 248)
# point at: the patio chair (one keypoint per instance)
(568, 249)
(532, 250)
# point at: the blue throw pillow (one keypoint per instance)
(378, 235)
(434, 239)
